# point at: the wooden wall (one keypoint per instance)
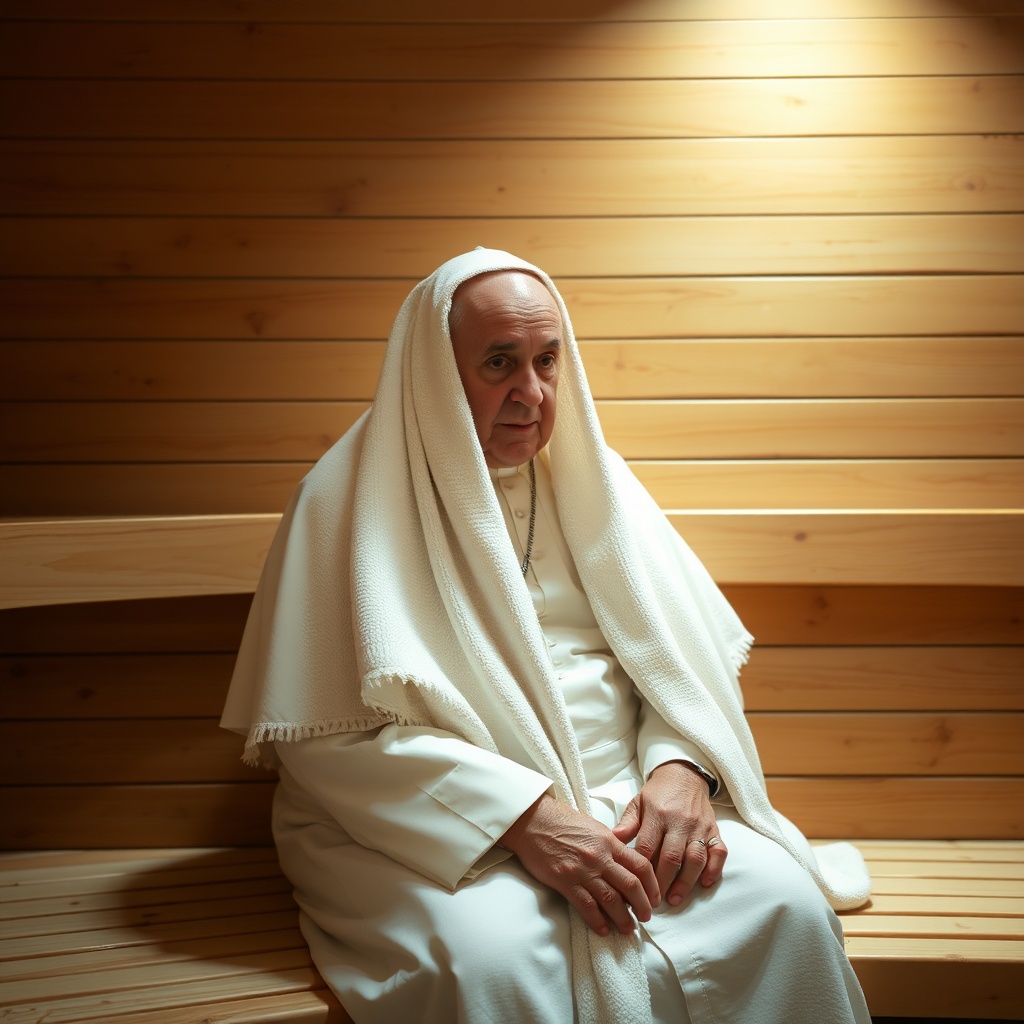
(760, 222)
(791, 236)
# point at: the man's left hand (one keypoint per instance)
(675, 829)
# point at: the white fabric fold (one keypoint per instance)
(392, 593)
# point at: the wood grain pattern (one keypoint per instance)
(296, 370)
(623, 50)
(189, 488)
(666, 177)
(853, 678)
(667, 108)
(707, 429)
(297, 247)
(814, 616)
(809, 743)
(908, 808)
(789, 678)
(66, 561)
(127, 816)
(99, 11)
(908, 744)
(54, 308)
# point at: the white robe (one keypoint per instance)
(413, 914)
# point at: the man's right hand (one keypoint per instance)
(584, 861)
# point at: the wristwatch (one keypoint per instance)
(705, 775)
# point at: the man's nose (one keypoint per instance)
(526, 388)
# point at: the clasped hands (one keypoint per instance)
(602, 877)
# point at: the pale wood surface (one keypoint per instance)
(133, 370)
(812, 615)
(638, 429)
(886, 678)
(672, 108)
(778, 678)
(430, 51)
(191, 488)
(902, 175)
(165, 750)
(601, 308)
(61, 561)
(165, 967)
(90, 816)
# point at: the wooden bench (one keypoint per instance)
(140, 886)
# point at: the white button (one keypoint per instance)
(508, 486)
(520, 513)
(551, 643)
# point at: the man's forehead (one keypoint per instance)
(501, 285)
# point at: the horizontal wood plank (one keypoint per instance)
(157, 686)
(939, 174)
(909, 808)
(810, 616)
(56, 308)
(565, 247)
(296, 370)
(60, 561)
(249, 976)
(725, 107)
(910, 981)
(839, 483)
(848, 678)
(104, 489)
(829, 678)
(102, 817)
(966, 743)
(705, 429)
(880, 616)
(802, 744)
(86, 816)
(135, 751)
(468, 10)
(621, 50)
(141, 558)
(842, 428)
(210, 624)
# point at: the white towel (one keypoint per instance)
(392, 593)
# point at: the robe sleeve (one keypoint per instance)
(658, 743)
(424, 797)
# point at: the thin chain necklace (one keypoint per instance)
(533, 519)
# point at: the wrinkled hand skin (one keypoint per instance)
(670, 812)
(602, 877)
(585, 862)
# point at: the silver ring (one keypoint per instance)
(701, 841)
(713, 841)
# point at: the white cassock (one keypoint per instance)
(413, 914)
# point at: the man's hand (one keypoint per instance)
(581, 859)
(675, 829)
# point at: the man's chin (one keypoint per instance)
(511, 453)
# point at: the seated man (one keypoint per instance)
(516, 780)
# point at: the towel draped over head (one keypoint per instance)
(392, 593)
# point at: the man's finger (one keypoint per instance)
(717, 853)
(629, 823)
(694, 859)
(670, 859)
(643, 871)
(590, 910)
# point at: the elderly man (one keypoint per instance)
(516, 780)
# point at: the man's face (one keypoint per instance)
(507, 336)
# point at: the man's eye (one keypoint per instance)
(497, 363)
